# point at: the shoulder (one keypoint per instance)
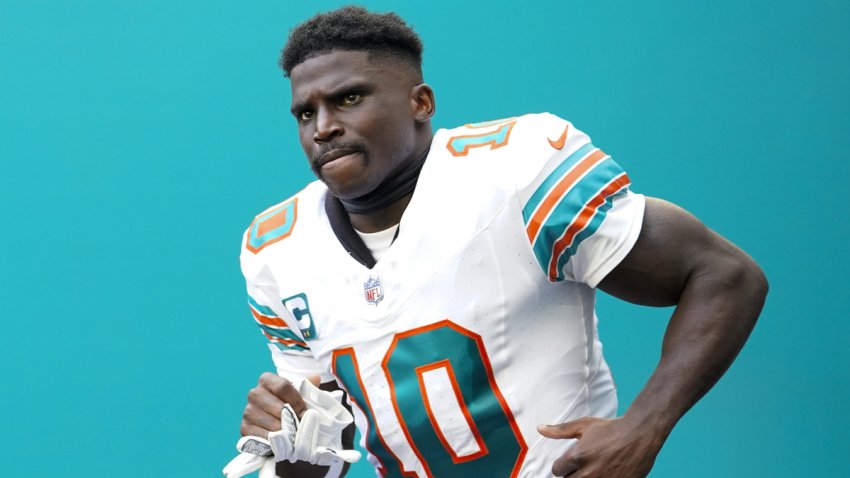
(515, 151)
(513, 132)
(275, 224)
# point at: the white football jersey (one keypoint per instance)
(478, 323)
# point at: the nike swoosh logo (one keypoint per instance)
(559, 143)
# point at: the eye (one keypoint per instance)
(351, 99)
(305, 115)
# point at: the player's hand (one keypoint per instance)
(312, 438)
(606, 448)
(265, 401)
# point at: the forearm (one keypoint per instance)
(716, 312)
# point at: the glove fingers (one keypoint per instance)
(307, 437)
(283, 442)
(328, 455)
(268, 470)
(255, 445)
(243, 464)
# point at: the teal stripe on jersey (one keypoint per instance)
(285, 334)
(568, 208)
(588, 231)
(261, 308)
(553, 179)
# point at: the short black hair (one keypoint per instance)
(353, 28)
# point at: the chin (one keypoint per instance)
(346, 190)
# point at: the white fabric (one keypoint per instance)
(315, 438)
(462, 264)
(283, 441)
(251, 457)
(378, 242)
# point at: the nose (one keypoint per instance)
(328, 126)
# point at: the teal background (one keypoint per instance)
(138, 139)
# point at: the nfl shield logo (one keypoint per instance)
(373, 291)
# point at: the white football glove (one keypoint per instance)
(255, 454)
(315, 438)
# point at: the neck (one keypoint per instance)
(382, 219)
(383, 207)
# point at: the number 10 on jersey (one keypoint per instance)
(445, 353)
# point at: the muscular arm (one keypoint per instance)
(718, 291)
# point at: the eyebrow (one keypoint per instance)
(356, 85)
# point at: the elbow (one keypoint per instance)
(754, 280)
(735, 277)
(750, 283)
(760, 282)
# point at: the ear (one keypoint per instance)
(422, 102)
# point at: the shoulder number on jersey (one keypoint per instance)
(495, 134)
(272, 226)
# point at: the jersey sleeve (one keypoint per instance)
(580, 216)
(290, 351)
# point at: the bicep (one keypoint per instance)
(672, 245)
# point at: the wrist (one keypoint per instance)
(652, 422)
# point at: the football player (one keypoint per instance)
(446, 281)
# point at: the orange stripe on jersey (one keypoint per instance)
(266, 320)
(283, 341)
(583, 217)
(554, 196)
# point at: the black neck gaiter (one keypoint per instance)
(391, 190)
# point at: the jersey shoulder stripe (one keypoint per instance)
(570, 204)
(262, 309)
(585, 225)
(274, 328)
(545, 197)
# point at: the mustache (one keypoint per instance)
(328, 147)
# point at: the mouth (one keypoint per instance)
(335, 155)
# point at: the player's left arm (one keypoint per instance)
(718, 291)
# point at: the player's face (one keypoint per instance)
(357, 119)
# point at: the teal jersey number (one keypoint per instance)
(346, 370)
(496, 135)
(461, 355)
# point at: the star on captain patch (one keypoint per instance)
(373, 291)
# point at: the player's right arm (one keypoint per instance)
(293, 361)
(262, 416)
